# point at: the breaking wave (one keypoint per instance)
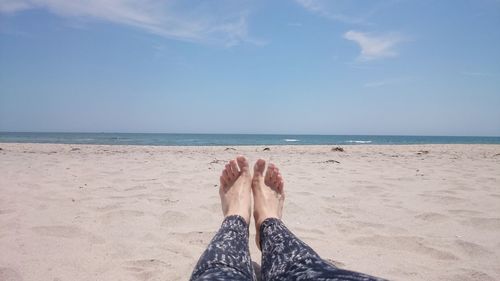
(359, 141)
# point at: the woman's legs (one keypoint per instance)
(227, 257)
(284, 256)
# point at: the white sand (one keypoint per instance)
(147, 213)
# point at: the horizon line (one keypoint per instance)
(275, 134)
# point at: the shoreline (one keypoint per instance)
(250, 145)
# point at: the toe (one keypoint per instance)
(229, 172)
(242, 163)
(279, 178)
(281, 186)
(259, 167)
(275, 179)
(222, 181)
(279, 183)
(234, 168)
(226, 174)
(269, 174)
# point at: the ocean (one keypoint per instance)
(233, 139)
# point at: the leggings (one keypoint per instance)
(284, 256)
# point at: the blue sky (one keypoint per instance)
(234, 66)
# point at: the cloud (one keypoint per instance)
(11, 6)
(224, 23)
(330, 9)
(373, 46)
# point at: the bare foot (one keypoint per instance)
(235, 189)
(268, 194)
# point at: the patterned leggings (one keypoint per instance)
(284, 256)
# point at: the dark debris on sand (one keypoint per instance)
(266, 149)
(338, 149)
(421, 152)
(229, 148)
(217, 161)
(332, 161)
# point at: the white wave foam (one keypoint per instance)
(358, 141)
(291, 140)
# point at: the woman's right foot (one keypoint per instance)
(268, 194)
(235, 189)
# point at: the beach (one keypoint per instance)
(116, 212)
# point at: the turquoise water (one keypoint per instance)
(234, 139)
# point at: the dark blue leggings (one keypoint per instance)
(284, 256)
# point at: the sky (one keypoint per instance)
(393, 67)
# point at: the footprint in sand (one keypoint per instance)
(9, 274)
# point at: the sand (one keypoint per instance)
(94, 212)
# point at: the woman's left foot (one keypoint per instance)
(236, 189)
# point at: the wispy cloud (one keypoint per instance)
(205, 23)
(356, 12)
(324, 9)
(374, 46)
(11, 6)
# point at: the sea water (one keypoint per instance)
(234, 139)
